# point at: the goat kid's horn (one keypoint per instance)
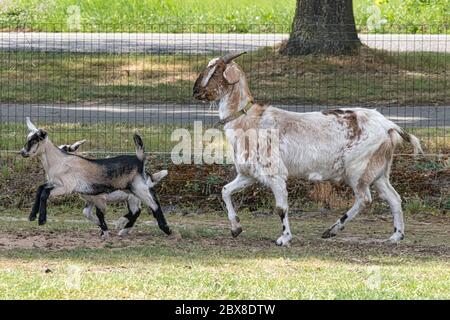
(231, 56)
(30, 125)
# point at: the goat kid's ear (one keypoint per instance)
(232, 74)
(74, 147)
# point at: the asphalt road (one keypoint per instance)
(163, 43)
(176, 114)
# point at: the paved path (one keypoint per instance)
(182, 114)
(193, 42)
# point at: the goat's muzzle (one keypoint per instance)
(24, 153)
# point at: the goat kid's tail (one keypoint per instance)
(139, 147)
(402, 136)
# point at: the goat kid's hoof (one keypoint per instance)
(396, 237)
(124, 232)
(284, 240)
(42, 222)
(121, 223)
(104, 234)
(236, 232)
(32, 217)
(329, 233)
(166, 230)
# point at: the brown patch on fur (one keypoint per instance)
(380, 160)
(349, 118)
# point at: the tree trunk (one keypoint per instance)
(322, 26)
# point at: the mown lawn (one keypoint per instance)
(67, 259)
(396, 16)
(370, 77)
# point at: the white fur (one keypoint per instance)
(314, 146)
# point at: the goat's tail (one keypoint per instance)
(139, 147)
(398, 136)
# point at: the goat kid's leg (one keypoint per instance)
(126, 223)
(88, 213)
(239, 183)
(361, 202)
(388, 193)
(100, 212)
(37, 201)
(278, 187)
(45, 194)
(141, 191)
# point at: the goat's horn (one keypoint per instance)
(232, 55)
(30, 125)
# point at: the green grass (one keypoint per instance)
(402, 16)
(67, 259)
(371, 77)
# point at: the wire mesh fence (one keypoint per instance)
(102, 86)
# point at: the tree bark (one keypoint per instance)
(324, 27)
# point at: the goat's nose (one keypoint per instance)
(24, 153)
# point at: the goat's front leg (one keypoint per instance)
(37, 201)
(100, 212)
(278, 187)
(239, 183)
(47, 191)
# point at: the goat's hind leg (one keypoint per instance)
(278, 187)
(239, 183)
(140, 190)
(388, 193)
(362, 199)
(126, 223)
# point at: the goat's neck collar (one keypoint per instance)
(235, 115)
(235, 100)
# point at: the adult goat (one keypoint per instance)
(353, 145)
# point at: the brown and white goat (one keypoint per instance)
(92, 178)
(124, 224)
(353, 145)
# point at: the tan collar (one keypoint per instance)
(235, 115)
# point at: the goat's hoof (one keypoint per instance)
(32, 217)
(396, 237)
(166, 230)
(328, 234)
(236, 232)
(42, 222)
(104, 234)
(284, 240)
(124, 231)
(121, 223)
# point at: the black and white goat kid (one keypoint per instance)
(126, 223)
(93, 179)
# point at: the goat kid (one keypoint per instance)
(351, 145)
(124, 224)
(91, 178)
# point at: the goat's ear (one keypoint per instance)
(42, 134)
(231, 74)
(74, 147)
(158, 176)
